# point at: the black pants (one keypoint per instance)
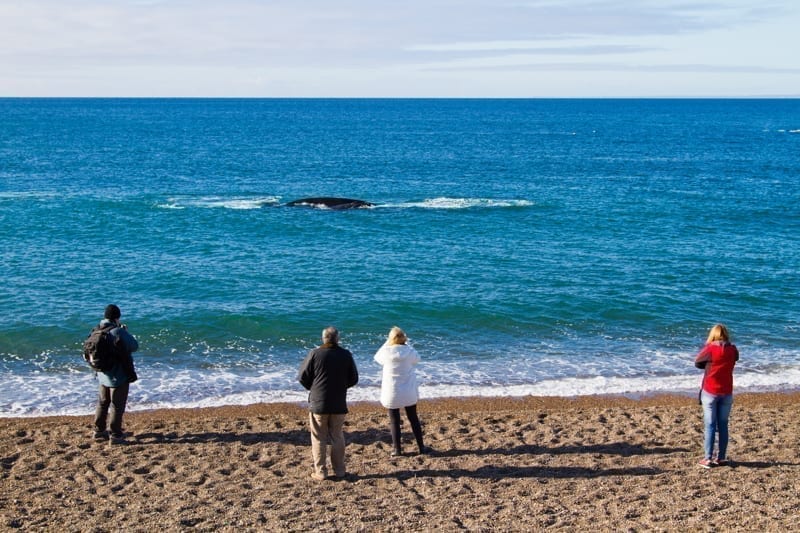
(116, 398)
(413, 419)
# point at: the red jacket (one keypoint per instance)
(718, 359)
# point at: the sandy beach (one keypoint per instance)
(598, 463)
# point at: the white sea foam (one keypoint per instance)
(459, 203)
(35, 395)
(218, 202)
(567, 387)
(25, 195)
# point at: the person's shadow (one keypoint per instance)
(514, 472)
(758, 464)
(293, 437)
(624, 449)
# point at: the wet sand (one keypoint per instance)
(499, 464)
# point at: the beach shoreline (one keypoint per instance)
(527, 463)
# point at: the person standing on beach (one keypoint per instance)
(718, 357)
(115, 383)
(399, 386)
(327, 372)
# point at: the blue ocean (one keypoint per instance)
(544, 247)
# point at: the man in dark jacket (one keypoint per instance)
(115, 383)
(327, 372)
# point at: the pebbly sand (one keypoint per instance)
(595, 463)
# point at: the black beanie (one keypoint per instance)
(112, 312)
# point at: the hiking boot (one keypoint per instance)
(722, 462)
(705, 463)
(100, 436)
(319, 476)
(117, 438)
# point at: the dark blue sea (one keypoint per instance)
(545, 247)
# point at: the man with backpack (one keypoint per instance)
(108, 350)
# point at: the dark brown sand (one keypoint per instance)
(609, 464)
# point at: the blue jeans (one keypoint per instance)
(716, 411)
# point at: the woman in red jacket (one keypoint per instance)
(718, 358)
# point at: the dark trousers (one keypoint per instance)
(413, 419)
(116, 398)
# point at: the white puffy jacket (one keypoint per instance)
(399, 383)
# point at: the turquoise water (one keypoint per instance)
(553, 247)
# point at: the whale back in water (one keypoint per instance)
(330, 202)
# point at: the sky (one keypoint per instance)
(400, 48)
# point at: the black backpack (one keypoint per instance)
(100, 348)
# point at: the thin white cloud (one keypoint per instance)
(541, 22)
(518, 64)
(532, 47)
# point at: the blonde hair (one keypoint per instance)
(718, 333)
(397, 336)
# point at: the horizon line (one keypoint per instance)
(185, 97)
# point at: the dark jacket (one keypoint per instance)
(327, 372)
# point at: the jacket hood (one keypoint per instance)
(397, 351)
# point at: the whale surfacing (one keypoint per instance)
(330, 202)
